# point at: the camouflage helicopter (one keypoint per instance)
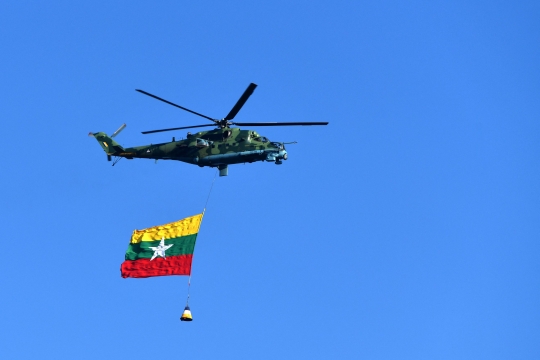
(219, 148)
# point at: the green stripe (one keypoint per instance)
(183, 245)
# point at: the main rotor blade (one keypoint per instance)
(236, 108)
(280, 123)
(173, 104)
(178, 128)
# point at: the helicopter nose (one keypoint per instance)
(282, 155)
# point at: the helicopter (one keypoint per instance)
(220, 147)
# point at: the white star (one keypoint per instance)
(160, 250)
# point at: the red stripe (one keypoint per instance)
(171, 265)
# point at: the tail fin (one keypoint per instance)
(110, 146)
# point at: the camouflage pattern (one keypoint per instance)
(215, 148)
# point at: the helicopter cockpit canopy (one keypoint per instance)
(203, 142)
(261, 139)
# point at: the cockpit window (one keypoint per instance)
(262, 139)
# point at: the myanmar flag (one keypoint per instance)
(162, 250)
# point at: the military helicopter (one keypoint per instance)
(219, 148)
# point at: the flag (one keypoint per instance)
(162, 250)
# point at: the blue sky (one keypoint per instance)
(406, 229)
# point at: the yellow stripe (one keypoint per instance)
(187, 226)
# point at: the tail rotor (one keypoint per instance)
(122, 127)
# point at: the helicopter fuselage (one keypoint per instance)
(215, 148)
